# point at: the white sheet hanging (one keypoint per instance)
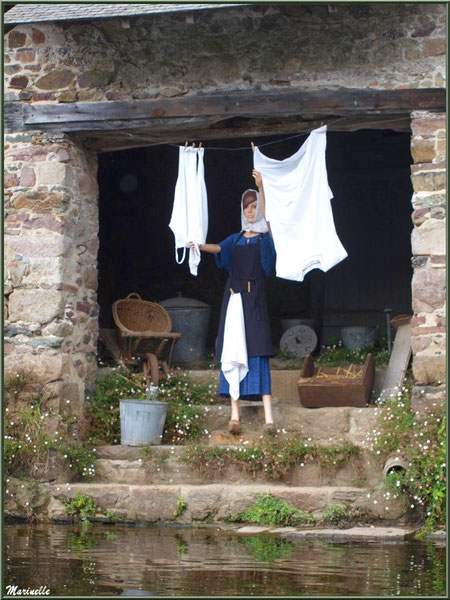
(189, 220)
(298, 209)
(234, 359)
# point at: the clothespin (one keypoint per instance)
(231, 290)
(200, 146)
(193, 144)
(321, 123)
(253, 146)
(185, 145)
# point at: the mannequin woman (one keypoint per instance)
(249, 257)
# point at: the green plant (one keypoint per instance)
(81, 506)
(37, 436)
(181, 507)
(110, 514)
(342, 516)
(337, 355)
(272, 458)
(335, 514)
(268, 510)
(359, 482)
(420, 438)
(286, 355)
(185, 418)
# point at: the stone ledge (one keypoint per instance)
(354, 534)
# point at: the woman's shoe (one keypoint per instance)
(234, 427)
(270, 429)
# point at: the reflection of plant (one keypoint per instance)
(267, 548)
(268, 510)
(81, 506)
(83, 540)
(421, 440)
(182, 546)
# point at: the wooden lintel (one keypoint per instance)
(107, 141)
(94, 116)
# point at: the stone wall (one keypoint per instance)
(51, 245)
(428, 247)
(256, 47)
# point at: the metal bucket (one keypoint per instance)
(354, 338)
(189, 317)
(142, 421)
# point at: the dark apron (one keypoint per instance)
(247, 277)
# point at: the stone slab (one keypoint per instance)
(323, 425)
(204, 502)
(164, 465)
(356, 534)
(252, 529)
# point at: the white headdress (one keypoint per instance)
(259, 225)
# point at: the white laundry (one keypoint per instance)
(234, 359)
(298, 209)
(189, 220)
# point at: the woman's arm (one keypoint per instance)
(211, 248)
(258, 180)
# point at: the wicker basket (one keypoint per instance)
(132, 315)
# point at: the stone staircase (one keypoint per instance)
(156, 484)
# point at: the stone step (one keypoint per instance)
(164, 465)
(322, 425)
(284, 381)
(213, 502)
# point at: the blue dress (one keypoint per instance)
(257, 381)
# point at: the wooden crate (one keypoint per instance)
(317, 392)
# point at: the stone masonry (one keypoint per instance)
(51, 244)
(50, 179)
(428, 247)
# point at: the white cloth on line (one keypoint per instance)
(234, 359)
(189, 220)
(298, 209)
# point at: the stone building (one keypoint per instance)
(95, 94)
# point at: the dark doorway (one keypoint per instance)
(369, 173)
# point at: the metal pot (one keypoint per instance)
(190, 317)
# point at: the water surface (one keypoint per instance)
(103, 560)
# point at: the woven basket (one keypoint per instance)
(132, 314)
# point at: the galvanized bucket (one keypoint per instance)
(142, 421)
(355, 338)
(189, 317)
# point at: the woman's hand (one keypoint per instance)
(211, 248)
(258, 178)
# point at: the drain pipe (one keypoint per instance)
(395, 464)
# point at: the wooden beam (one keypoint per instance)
(96, 116)
(108, 141)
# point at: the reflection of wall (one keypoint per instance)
(369, 175)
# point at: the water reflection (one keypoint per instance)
(149, 561)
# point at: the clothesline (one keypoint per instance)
(247, 148)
